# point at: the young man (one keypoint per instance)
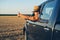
(35, 16)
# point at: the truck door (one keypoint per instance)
(46, 14)
(41, 30)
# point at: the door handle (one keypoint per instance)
(56, 31)
(46, 29)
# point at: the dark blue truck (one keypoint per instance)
(43, 30)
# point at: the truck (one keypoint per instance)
(42, 30)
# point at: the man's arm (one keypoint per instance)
(33, 18)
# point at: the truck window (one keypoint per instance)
(47, 10)
(57, 27)
(58, 17)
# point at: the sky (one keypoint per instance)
(15, 6)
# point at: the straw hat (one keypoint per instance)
(36, 8)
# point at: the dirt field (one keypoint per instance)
(11, 28)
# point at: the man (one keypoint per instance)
(35, 16)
